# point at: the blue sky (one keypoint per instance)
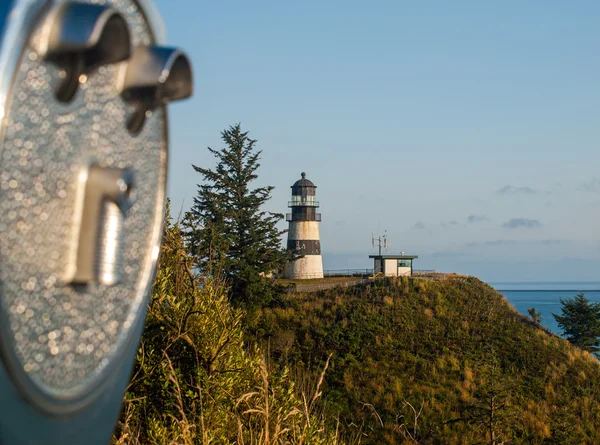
(468, 130)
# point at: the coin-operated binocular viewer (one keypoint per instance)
(83, 160)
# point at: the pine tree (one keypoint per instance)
(227, 228)
(580, 322)
(536, 316)
(492, 412)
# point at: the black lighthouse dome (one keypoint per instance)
(303, 187)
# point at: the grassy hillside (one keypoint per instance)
(438, 361)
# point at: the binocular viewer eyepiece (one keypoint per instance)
(81, 37)
(83, 159)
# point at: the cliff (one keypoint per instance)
(436, 361)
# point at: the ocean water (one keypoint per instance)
(545, 296)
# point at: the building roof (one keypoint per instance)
(394, 257)
(303, 182)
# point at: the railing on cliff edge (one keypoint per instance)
(369, 272)
(347, 273)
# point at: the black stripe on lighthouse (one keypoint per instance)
(304, 246)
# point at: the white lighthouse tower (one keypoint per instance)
(303, 234)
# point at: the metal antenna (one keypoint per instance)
(380, 242)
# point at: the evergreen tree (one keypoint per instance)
(227, 228)
(536, 316)
(580, 322)
(491, 411)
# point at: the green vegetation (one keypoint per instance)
(391, 361)
(286, 281)
(396, 361)
(195, 382)
(328, 280)
(438, 362)
(580, 322)
(536, 316)
(228, 231)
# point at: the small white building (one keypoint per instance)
(393, 265)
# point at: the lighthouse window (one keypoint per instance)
(306, 200)
(404, 263)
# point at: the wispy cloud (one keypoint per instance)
(477, 218)
(517, 223)
(593, 186)
(449, 223)
(494, 243)
(550, 242)
(449, 254)
(419, 225)
(509, 190)
(512, 242)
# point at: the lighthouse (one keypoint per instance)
(303, 234)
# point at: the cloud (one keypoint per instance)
(512, 242)
(340, 223)
(500, 242)
(593, 186)
(550, 242)
(448, 254)
(509, 190)
(477, 218)
(449, 223)
(517, 223)
(419, 225)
